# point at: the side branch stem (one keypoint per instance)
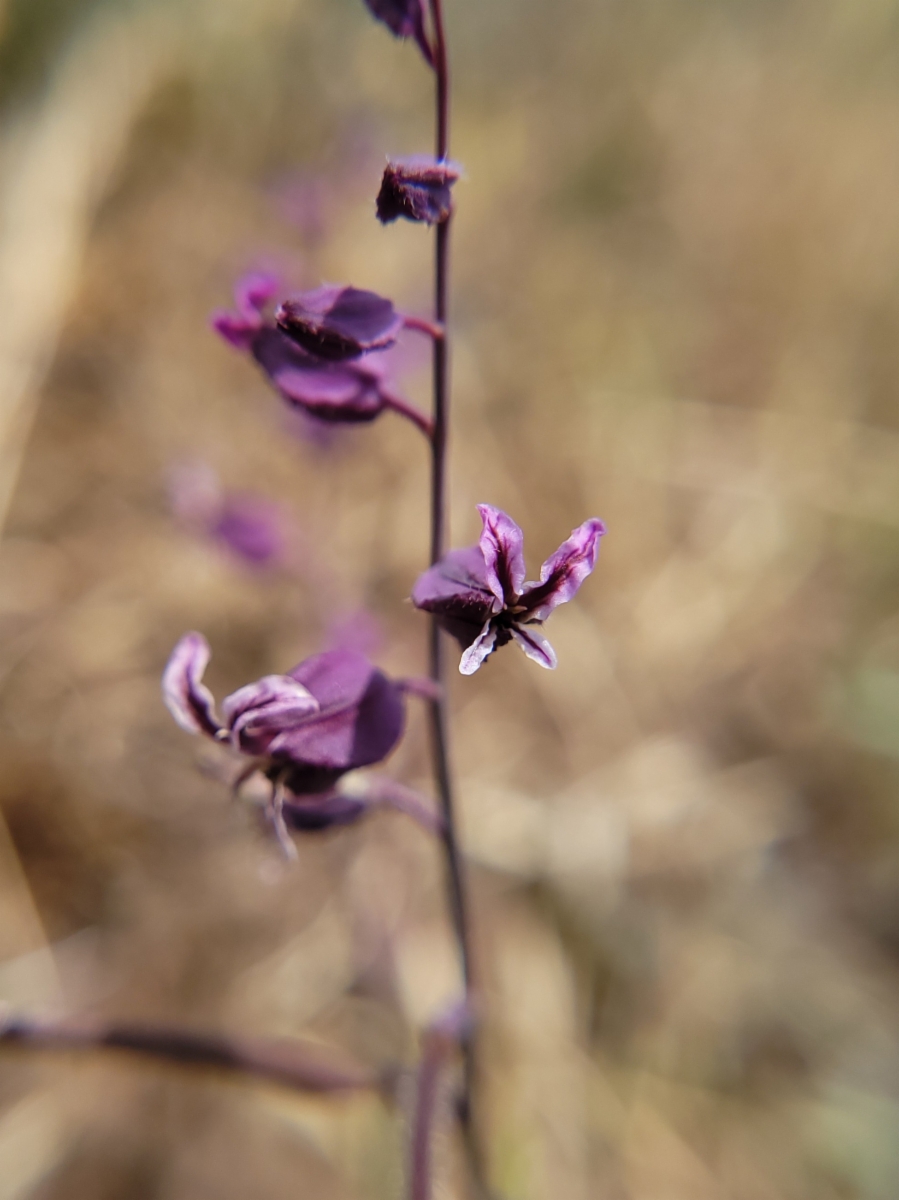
(305, 1067)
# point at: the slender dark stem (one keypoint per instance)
(303, 1066)
(458, 900)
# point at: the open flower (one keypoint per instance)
(354, 391)
(339, 323)
(304, 730)
(480, 596)
(417, 188)
(404, 18)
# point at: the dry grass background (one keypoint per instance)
(677, 294)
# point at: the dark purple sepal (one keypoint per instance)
(405, 19)
(330, 391)
(417, 189)
(456, 590)
(339, 323)
(360, 718)
(322, 813)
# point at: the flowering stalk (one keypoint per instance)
(458, 898)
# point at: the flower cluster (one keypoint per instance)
(323, 351)
(479, 594)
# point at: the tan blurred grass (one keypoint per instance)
(676, 266)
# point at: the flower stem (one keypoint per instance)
(398, 405)
(457, 892)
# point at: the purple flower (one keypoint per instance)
(480, 596)
(405, 18)
(418, 189)
(251, 527)
(329, 715)
(329, 391)
(339, 323)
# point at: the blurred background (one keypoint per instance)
(676, 302)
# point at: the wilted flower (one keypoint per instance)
(304, 730)
(405, 18)
(339, 323)
(480, 596)
(330, 391)
(417, 188)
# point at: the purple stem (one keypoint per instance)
(390, 794)
(458, 898)
(303, 1066)
(422, 325)
(409, 411)
(426, 1091)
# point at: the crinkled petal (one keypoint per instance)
(502, 545)
(456, 590)
(257, 713)
(186, 697)
(564, 572)
(480, 648)
(535, 646)
(339, 323)
(360, 719)
(404, 18)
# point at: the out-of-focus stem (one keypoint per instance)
(457, 893)
(305, 1067)
(426, 1087)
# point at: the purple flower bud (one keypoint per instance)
(418, 189)
(331, 714)
(405, 18)
(253, 529)
(480, 596)
(339, 323)
(251, 295)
